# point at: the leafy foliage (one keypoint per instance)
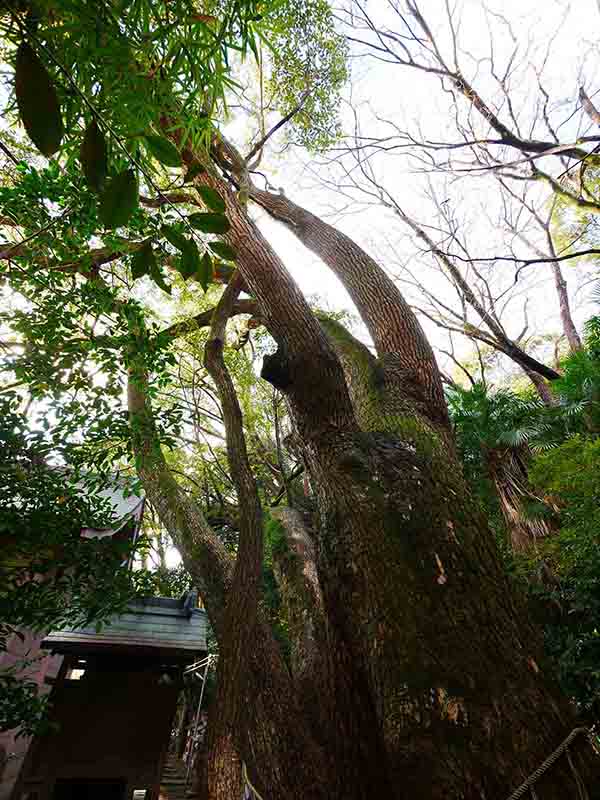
(122, 89)
(579, 386)
(50, 577)
(173, 582)
(308, 70)
(42, 513)
(484, 421)
(93, 156)
(564, 469)
(571, 473)
(37, 100)
(21, 706)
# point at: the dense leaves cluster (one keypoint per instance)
(561, 450)
(50, 577)
(571, 474)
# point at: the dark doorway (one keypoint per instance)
(89, 790)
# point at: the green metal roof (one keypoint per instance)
(155, 626)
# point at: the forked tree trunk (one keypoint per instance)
(426, 632)
(284, 760)
(438, 685)
(376, 294)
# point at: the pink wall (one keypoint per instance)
(13, 749)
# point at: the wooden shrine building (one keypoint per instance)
(113, 697)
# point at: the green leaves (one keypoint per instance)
(37, 101)
(189, 263)
(143, 262)
(210, 223)
(157, 277)
(120, 200)
(223, 250)
(212, 199)
(173, 236)
(93, 156)
(204, 274)
(163, 150)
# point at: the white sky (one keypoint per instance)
(413, 100)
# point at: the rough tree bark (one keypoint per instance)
(241, 611)
(429, 642)
(295, 569)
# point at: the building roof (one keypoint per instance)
(156, 626)
(126, 508)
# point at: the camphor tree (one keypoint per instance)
(430, 680)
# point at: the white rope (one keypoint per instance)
(198, 664)
(207, 662)
(527, 785)
(249, 784)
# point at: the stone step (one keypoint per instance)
(173, 780)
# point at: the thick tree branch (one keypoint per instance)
(203, 320)
(241, 615)
(307, 366)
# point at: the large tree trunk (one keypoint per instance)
(414, 588)
(438, 686)
(398, 521)
(425, 629)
